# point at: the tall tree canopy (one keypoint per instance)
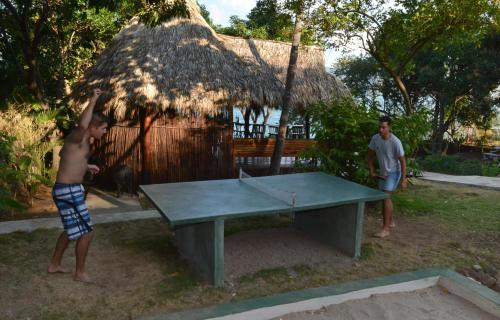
(394, 35)
(455, 83)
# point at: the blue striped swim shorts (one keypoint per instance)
(75, 217)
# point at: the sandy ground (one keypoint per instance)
(425, 304)
(139, 272)
(251, 251)
(98, 201)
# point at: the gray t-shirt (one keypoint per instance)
(388, 153)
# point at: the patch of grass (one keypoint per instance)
(177, 283)
(367, 250)
(454, 245)
(270, 276)
(464, 207)
(303, 270)
(413, 206)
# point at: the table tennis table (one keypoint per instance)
(328, 208)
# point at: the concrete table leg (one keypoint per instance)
(341, 226)
(202, 245)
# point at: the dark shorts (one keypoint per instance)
(69, 199)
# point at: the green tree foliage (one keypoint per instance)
(393, 35)
(52, 42)
(268, 20)
(206, 15)
(10, 176)
(28, 148)
(459, 79)
(343, 130)
(454, 83)
(155, 12)
(271, 16)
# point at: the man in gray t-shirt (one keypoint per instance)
(392, 166)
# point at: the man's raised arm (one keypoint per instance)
(85, 118)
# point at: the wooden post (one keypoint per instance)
(308, 126)
(146, 120)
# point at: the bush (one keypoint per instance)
(490, 170)
(343, 131)
(28, 142)
(10, 176)
(412, 130)
(456, 165)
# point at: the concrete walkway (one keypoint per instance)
(49, 223)
(473, 181)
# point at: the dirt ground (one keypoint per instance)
(98, 201)
(43, 207)
(138, 271)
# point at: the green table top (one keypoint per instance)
(201, 201)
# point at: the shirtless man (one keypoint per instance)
(68, 192)
(387, 148)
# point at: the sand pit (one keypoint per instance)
(427, 294)
(424, 304)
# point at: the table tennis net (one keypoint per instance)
(282, 195)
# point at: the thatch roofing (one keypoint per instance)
(185, 66)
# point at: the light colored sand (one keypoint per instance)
(250, 251)
(426, 304)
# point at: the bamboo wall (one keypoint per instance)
(184, 149)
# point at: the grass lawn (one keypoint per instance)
(139, 272)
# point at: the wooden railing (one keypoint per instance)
(265, 147)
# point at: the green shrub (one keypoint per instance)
(490, 170)
(28, 142)
(453, 164)
(9, 175)
(343, 131)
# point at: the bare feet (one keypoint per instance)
(83, 277)
(54, 269)
(382, 234)
(392, 225)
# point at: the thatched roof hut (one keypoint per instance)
(159, 80)
(184, 65)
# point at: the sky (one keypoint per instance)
(221, 10)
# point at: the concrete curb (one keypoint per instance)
(29, 225)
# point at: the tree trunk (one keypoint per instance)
(246, 119)
(442, 126)
(31, 74)
(290, 76)
(146, 120)
(406, 97)
(398, 81)
(435, 127)
(267, 115)
(307, 126)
